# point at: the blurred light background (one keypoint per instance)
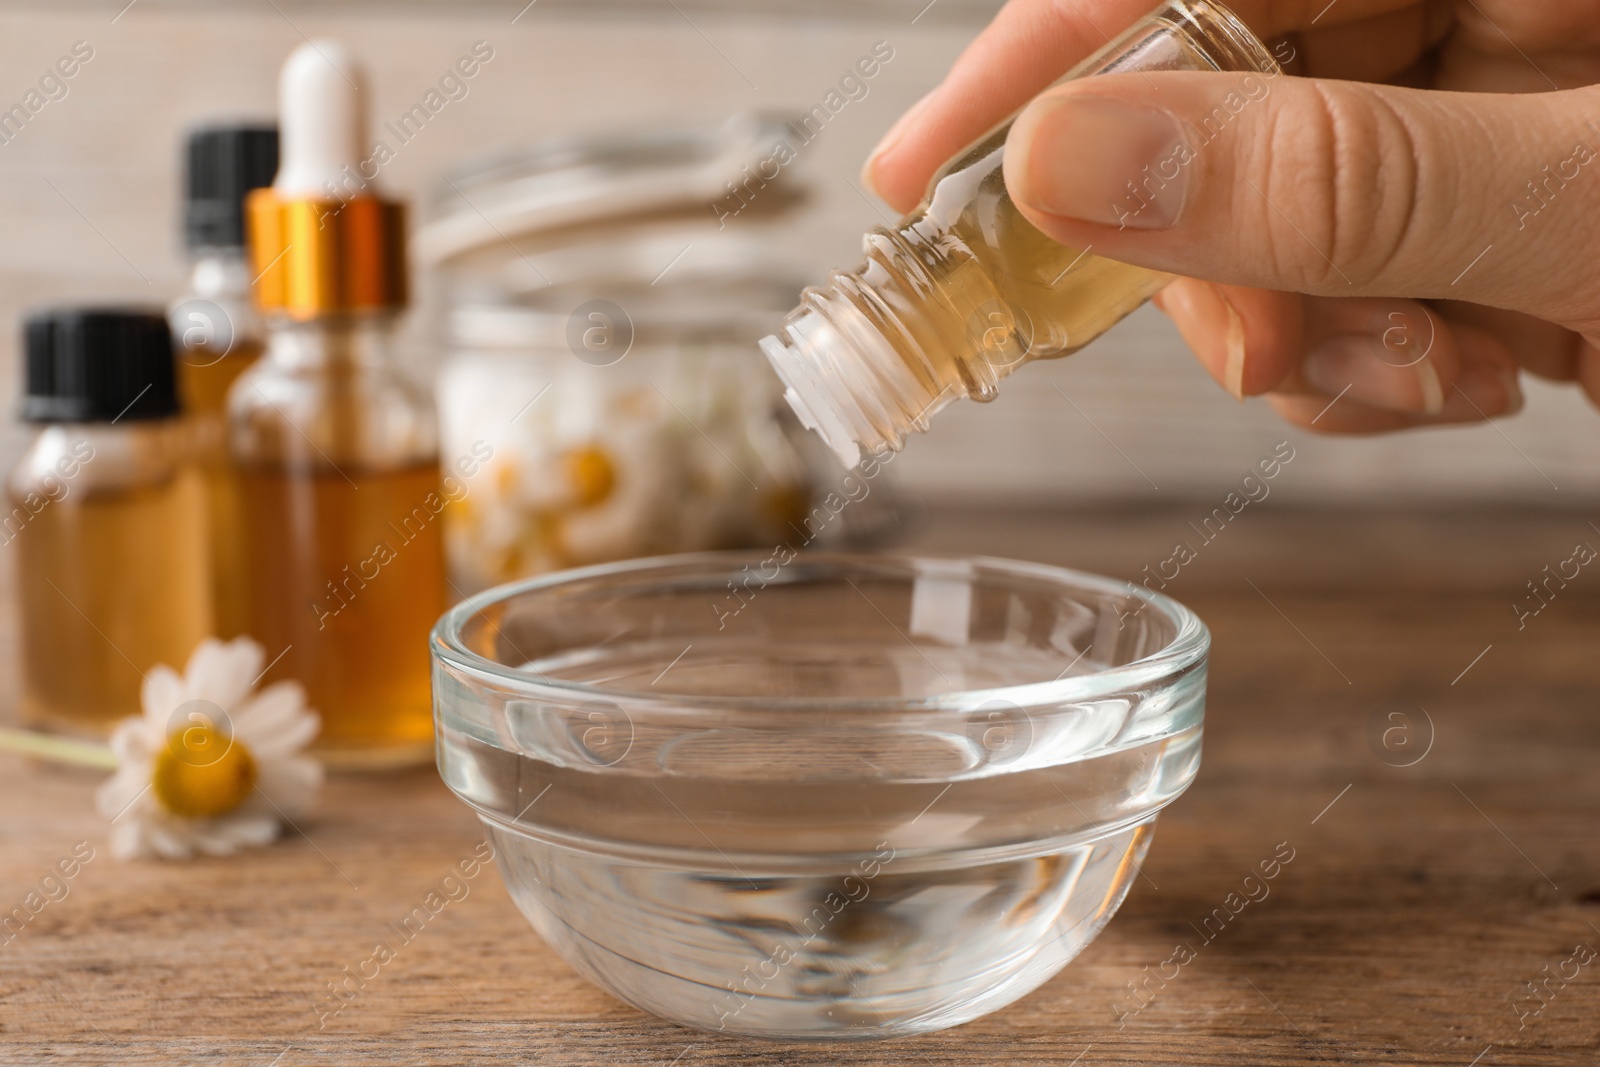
(89, 196)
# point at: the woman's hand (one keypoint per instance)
(1404, 247)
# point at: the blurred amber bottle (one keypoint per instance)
(106, 519)
(337, 451)
(218, 331)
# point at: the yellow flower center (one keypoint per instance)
(591, 475)
(202, 773)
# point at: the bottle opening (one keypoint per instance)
(846, 381)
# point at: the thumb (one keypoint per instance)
(1323, 187)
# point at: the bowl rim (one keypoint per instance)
(1189, 645)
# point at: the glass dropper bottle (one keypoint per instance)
(964, 290)
(337, 450)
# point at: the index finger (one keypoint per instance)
(1028, 46)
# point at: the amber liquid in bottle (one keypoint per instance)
(204, 377)
(965, 289)
(349, 586)
(112, 577)
(1006, 293)
(341, 525)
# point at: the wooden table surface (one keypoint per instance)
(1421, 901)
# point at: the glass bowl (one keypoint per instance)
(831, 797)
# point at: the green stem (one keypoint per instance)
(59, 749)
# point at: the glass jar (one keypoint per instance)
(602, 311)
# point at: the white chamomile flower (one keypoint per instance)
(211, 765)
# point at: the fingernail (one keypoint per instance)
(1204, 313)
(1432, 389)
(1099, 159)
(891, 141)
(1233, 373)
(1352, 363)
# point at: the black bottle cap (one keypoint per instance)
(99, 365)
(224, 163)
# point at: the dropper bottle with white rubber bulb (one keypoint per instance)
(337, 451)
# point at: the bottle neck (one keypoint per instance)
(216, 317)
(868, 358)
(220, 273)
(100, 456)
(334, 343)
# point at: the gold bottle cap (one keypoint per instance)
(320, 257)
